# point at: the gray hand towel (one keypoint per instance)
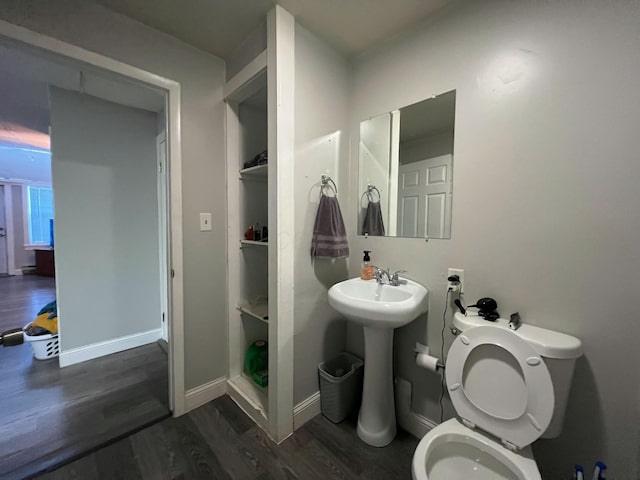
(373, 224)
(329, 235)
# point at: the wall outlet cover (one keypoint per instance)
(460, 273)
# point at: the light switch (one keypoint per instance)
(205, 222)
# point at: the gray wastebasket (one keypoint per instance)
(340, 386)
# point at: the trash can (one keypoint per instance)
(340, 386)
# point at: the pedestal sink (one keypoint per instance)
(379, 308)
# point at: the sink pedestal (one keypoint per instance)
(377, 418)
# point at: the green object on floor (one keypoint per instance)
(261, 378)
(256, 362)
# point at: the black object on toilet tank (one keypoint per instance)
(487, 308)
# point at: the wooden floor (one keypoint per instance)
(49, 415)
(21, 297)
(217, 441)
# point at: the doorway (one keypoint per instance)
(4, 260)
(113, 381)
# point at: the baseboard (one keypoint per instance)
(164, 345)
(412, 422)
(196, 397)
(416, 424)
(306, 410)
(100, 349)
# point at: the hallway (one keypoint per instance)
(50, 415)
(21, 297)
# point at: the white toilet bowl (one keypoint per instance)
(452, 451)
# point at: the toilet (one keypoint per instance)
(509, 388)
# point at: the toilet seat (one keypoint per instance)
(499, 383)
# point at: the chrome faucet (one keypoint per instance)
(395, 279)
(384, 277)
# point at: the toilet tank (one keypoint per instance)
(558, 350)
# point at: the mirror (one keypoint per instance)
(406, 170)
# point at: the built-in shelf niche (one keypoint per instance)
(255, 195)
(248, 205)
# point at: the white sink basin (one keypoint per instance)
(379, 309)
(373, 304)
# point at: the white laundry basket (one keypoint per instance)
(44, 346)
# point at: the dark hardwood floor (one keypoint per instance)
(50, 415)
(21, 297)
(217, 441)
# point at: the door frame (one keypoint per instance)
(7, 188)
(171, 88)
(161, 176)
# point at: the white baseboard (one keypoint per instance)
(100, 349)
(196, 397)
(416, 424)
(412, 422)
(306, 410)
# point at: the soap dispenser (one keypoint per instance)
(366, 271)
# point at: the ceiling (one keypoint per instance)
(220, 26)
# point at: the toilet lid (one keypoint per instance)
(498, 382)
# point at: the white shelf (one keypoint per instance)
(254, 243)
(257, 171)
(258, 311)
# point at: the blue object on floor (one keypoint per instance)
(51, 308)
(51, 242)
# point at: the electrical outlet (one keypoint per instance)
(460, 273)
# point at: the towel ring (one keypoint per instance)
(327, 182)
(369, 193)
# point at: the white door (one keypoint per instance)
(4, 263)
(424, 198)
(161, 143)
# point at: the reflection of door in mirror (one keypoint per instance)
(424, 198)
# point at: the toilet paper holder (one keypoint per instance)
(424, 350)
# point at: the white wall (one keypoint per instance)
(545, 194)
(321, 147)
(104, 169)
(201, 76)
